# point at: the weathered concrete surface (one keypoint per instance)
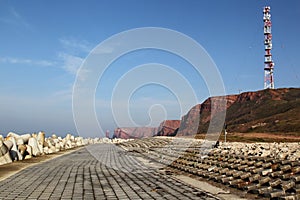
(115, 174)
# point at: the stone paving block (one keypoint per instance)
(112, 176)
(80, 176)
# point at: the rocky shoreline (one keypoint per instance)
(16, 147)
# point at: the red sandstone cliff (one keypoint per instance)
(168, 128)
(201, 114)
(268, 110)
(190, 122)
(276, 110)
(135, 132)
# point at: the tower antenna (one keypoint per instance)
(269, 64)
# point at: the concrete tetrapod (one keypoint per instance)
(22, 149)
(24, 137)
(14, 152)
(4, 154)
(28, 152)
(35, 148)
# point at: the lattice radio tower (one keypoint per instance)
(269, 64)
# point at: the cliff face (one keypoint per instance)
(134, 132)
(276, 110)
(265, 111)
(262, 111)
(190, 122)
(168, 128)
(199, 117)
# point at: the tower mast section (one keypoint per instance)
(268, 63)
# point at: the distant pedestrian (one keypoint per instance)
(217, 144)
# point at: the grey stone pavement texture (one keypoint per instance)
(100, 171)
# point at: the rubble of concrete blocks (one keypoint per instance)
(290, 151)
(270, 170)
(16, 147)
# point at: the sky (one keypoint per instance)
(44, 43)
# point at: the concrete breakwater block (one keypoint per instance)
(22, 149)
(34, 145)
(16, 147)
(4, 154)
(24, 137)
(41, 138)
(9, 144)
(28, 151)
(14, 152)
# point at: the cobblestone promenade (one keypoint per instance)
(113, 175)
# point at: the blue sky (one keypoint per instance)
(43, 43)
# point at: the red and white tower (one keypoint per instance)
(269, 64)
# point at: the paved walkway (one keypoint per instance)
(109, 173)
